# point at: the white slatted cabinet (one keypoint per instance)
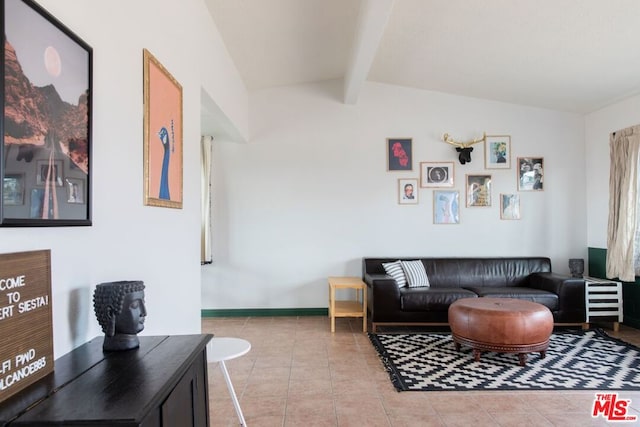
(603, 298)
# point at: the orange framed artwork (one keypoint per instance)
(162, 135)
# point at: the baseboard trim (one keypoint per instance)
(264, 312)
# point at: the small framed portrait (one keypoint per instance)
(13, 189)
(478, 190)
(435, 175)
(408, 191)
(509, 206)
(49, 172)
(497, 152)
(399, 155)
(446, 207)
(75, 190)
(530, 173)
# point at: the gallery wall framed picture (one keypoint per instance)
(13, 189)
(497, 152)
(436, 174)
(163, 143)
(478, 190)
(446, 207)
(75, 190)
(46, 121)
(399, 154)
(530, 173)
(509, 206)
(49, 171)
(408, 191)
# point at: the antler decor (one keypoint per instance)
(464, 148)
(446, 138)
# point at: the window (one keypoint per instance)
(206, 144)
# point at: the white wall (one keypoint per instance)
(128, 240)
(309, 195)
(598, 126)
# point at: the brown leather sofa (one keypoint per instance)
(527, 278)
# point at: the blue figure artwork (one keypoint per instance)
(164, 177)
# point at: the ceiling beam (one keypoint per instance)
(372, 21)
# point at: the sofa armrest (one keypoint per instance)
(383, 295)
(570, 290)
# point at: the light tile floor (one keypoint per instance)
(300, 374)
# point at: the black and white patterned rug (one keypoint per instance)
(575, 360)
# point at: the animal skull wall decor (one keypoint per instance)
(464, 148)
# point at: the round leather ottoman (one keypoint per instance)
(505, 325)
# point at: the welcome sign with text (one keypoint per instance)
(26, 334)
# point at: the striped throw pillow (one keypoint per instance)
(394, 269)
(416, 274)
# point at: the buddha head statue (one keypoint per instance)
(120, 310)
(576, 267)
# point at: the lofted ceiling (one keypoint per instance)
(570, 55)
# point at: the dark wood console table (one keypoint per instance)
(162, 383)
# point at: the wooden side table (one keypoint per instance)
(348, 308)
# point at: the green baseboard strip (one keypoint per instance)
(631, 321)
(264, 312)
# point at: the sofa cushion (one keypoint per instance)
(548, 299)
(431, 299)
(416, 274)
(395, 270)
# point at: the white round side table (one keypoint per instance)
(220, 349)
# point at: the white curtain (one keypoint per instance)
(205, 193)
(624, 147)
